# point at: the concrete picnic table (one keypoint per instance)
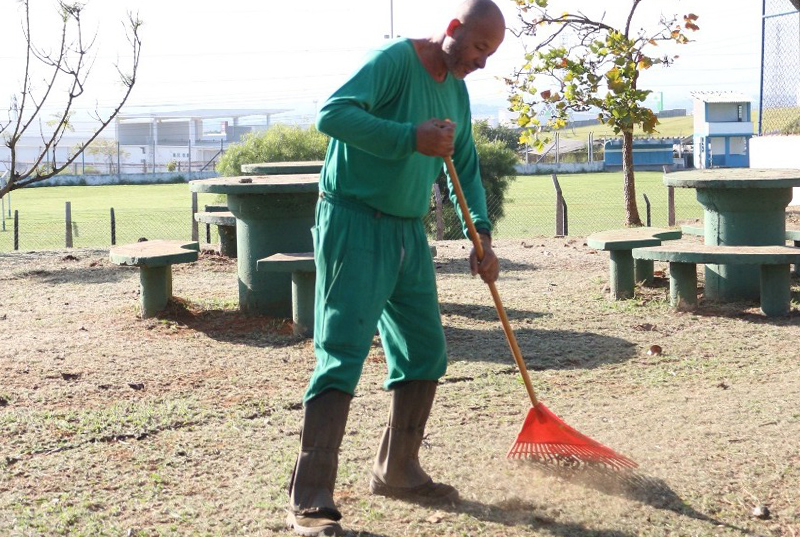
(274, 214)
(742, 207)
(282, 168)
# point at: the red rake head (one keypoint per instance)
(545, 437)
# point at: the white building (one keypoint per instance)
(190, 139)
(143, 143)
(722, 129)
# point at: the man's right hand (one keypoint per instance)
(435, 138)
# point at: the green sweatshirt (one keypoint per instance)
(372, 121)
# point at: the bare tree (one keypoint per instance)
(69, 65)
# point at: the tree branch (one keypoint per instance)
(78, 73)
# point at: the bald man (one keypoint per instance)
(390, 124)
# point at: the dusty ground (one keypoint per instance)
(188, 424)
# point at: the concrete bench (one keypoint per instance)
(684, 257)
(303, 270)
(623, 271)
(792, 234)
(155, 260)
(226, 227)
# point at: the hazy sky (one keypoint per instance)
(291, 54)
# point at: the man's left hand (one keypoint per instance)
(489, 266)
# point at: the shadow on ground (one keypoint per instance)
(461, 266)
(77, 274)
(231, 326)
(518, 512)
(541, 349)
(486, 313)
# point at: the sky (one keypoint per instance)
(279, 54)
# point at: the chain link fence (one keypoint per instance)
(591, 202)
(780, 68)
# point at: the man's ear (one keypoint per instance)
(451, 28)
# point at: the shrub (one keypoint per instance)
(497, 167)
(279, 143)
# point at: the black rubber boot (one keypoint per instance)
(312, 511)
(396, 472)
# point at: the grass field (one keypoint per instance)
(152, 211)
(594, 202)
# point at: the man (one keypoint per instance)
(391, 124)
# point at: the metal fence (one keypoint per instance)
(531, 208)
(780, 68)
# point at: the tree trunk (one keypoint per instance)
(631, 211)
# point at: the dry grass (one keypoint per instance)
(188, 424)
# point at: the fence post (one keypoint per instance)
(670, 202)
(437, 194)
(561, 221)
(558, 147)
(647, 209)
(68, 237)
(670, 206)
(16, 230)
(119, 164)
(195, 231)
(113, 228)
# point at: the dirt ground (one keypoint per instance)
(187, 424)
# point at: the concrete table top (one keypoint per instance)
(257, 184)
(281, 168)
(734, 178)
(157, 253)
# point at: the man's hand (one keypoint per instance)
(435, 138)
(489, 267)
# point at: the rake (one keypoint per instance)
(543, 437)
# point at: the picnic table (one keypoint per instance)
(741, 207)
(274, 214)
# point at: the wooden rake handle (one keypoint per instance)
(498, 304)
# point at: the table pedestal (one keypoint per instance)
(756, 219)
(267, 224)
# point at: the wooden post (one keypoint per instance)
(670, 206)
(195, 231)
(647, 209)
(113, 228)
(68, 237)
(437, 194)
(16, 230)
(670, 201)
(559, 208)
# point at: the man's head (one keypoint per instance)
(472, 36)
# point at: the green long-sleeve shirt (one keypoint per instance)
(372, 121)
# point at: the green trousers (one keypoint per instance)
(374, 271)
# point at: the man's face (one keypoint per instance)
(467, 47)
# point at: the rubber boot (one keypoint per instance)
(312, 511)
(397, 472)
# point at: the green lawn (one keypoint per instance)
(152, 211)
(594, 202)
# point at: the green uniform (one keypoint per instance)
(374, 267)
